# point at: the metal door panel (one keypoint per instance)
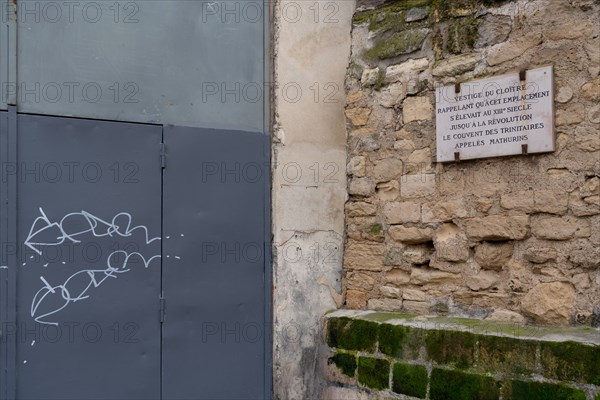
(189, 63)
(214, 276)
(8, 30)
(88, 284)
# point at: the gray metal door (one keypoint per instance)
(91, 306)
(216, 335)
(88, 274)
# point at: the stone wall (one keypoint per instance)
(512, 238)
(387, 356)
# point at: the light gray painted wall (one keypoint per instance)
(311, 49)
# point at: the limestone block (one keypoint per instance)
(411, 235)
(417, 185)
(513, 48)
(417, 109)
(497, 227)
(591, 90)
(388, 191)
(450, 243)
(405, 71)
(356, 299)
(358, 116)
(493, 256)
(556, 228)
(391, 292)
(366, 256)
(360, 209)
(549, 303)
(482, 280)
(386, 169)
(539, 255)
(357, 166)
(385, 304)
(456, 65)
(360, 281)
(392, 95)
(422, 276)
(361, 187)
(402, 212)
(506, 316)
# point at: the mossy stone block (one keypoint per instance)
(462, 34)
(507, 355)
(352, 334)
(570, 361)
(542, 391)
(374, 373)
(451, 347)
(457, 385)
(346, 362)
(388, 17)
(401, 341)
(410, 380)
(403, 42)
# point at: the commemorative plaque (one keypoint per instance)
(498, 116)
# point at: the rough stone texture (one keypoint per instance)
(411, 235)
(456, 65)
(418, 185)
(549, 303)
(506, 316)
(358, 116)
(450, 243)
(513, 48)
(402, 212)
(421, 276)
(474, 237)
(496, 227)
(406, 71)
(493, 30)
(493, 256)
(482, 280)
(385, 304)
(556, 228)
(417, 109)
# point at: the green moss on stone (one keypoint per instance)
(597, 396)
(385, 18)
(350, 334)
(386, 316)
(374, 373)
(401, 341)
(456, 385)
(451, 347)
(520, 390)
(571, 361)
(403, 42)
(379, 82)
(438, 308)
(462, 34)
(375, 230)
(346, 362)
(410, 380)
(507, 355)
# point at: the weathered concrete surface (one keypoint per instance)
(309, 186)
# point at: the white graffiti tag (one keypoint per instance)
(50, 299)
(56, 233)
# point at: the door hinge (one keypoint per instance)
(163, 155)
(161, 309)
